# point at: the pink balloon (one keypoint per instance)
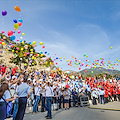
(17, 40)
(3, 31)
(19, 31)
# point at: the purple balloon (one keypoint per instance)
(4, 12)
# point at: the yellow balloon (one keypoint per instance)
(111, 47)
(41, 43)
(41, 55)
(34, 42)
(3, 43)
(32, 63)
(12, 50)
(94, 66)
(25, 64)
(23, 34)
(22, 42)
(21, 48)
(31, 50)
(6, 49)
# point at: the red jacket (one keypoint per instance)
(118, 91)
(114, 92)
(106, 93)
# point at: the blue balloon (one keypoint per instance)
(45, 52)
(12, 37)
(20, 41)
(30, 43)
(41, 52)
(20, 20)
(15, 21)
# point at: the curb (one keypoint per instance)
(104, 108)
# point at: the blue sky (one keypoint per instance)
(68, 27)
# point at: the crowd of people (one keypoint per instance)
(50, 90)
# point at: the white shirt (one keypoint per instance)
(37, 91)
(49, 91)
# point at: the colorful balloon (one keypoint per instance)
(16, 25)
(12, 37)
(10, 33)
(43, 46)
(4, 12)
(19, 23)
(17, 9)
(41, 43)
(20, 20)
(23, 34)
(34, 42)
(15, 21)
(2, 31)
(3, 43)
(19, 31)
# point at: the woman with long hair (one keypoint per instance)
(4, 99)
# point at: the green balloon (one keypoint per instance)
(16, 25)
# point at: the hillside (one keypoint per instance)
(99, 70)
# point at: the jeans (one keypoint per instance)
(36, 103)
(32, 98)
(21, 108)
(49, 101)
(2, 110)
(43, 104)
(59, 101)
(74, 100)
(102, 99)
(15, 108)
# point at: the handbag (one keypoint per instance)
(8, 106)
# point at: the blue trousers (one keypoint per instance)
(36, 103)
(74, 100)
(49, 101)
(43, 104)
(59, 101)
(21, 108)
(15, 108)
(2, 110)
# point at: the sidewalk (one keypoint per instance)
(115, 106)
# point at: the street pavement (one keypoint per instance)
(78, 113)
(111, 105)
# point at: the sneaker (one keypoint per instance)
(48, 117)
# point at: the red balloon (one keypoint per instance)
(85, 70)
(19, 23)
(10, 33)
(43, 46)
(0, 42)
(79, 68)
(56, 63)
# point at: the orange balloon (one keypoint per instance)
(17, 9)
